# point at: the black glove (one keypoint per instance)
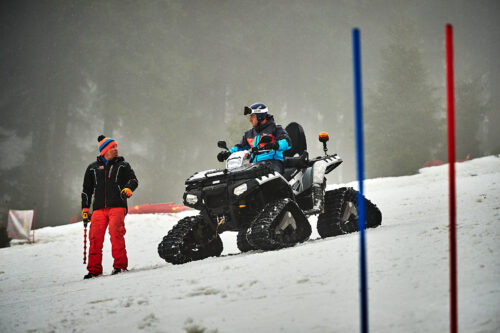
(223, 155)
(271, 146)
(255, 150)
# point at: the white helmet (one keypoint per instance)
(260, 110)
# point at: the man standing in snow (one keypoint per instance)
(262, 125)
(111, 180)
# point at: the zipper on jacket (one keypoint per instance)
(105, 185)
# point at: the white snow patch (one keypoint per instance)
(312, 287)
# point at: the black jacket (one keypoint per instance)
(105, 182)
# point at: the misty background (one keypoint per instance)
(167, 79)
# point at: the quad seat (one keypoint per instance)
(297, 156)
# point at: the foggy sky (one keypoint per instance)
(167, 79)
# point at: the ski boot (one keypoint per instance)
(117, 271)
(317, 195)
(90, 276)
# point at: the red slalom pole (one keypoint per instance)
(452, 188)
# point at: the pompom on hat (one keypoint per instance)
(104, 144)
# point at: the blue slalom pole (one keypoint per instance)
(358, 114)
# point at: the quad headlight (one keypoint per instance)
(239, 190)
(191, 199)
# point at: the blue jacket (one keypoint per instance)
(252, 137)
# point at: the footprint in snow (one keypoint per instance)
(147, 321)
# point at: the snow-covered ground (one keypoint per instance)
(312, 287)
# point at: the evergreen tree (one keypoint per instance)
(401, 120)
(471, 107)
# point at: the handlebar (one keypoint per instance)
(258, 152)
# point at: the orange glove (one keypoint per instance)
(85, 215)
(126, 193)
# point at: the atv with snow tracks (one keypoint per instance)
(268, 210)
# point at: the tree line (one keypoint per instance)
(167, 79)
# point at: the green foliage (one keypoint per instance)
(402, 117)
(471, 109)
(168, 78)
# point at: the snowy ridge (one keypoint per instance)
(312, 287)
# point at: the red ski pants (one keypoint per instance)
(114, 216)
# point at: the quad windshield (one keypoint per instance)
(238, 159)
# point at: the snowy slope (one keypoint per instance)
(312, 287)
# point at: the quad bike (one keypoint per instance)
(268, 210)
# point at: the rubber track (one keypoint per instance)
(260, 233)
(180, 247)
(329, 222)
(241, 238)
(242, 242)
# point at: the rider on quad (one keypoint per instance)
(268, 209)
(262, 125)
